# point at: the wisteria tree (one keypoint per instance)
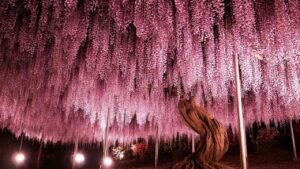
(69, 69)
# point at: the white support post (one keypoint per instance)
(243, 145)
(75, 151)
(293, 140)
(124, 124)
(21, 143)
(105, 144)
(39, 156)
(156, 148)
(193, 143)
(20, 147)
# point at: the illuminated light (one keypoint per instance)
(121, 156)
(79, 158)
(133, 147)
(19, 158)
(107, 161)
(119, 153)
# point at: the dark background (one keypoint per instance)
(276, 152)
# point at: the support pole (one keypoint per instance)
(73, 155)
(293, 140)
(124, 125)
(105, 144)
(243, 145)
(39, 156)
(21, 143)
(193, 143)
(156, 148)
(21, 146)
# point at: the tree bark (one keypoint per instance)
(214, 140)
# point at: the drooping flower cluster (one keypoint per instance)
(70, 69)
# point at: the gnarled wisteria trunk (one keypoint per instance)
(214, 140)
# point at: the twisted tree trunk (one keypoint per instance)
(213, 134)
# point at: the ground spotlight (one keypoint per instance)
(79, 158)
(19, 158)
(107, 161)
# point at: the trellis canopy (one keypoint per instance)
(69, 68)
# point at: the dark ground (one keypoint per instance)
(277, 154)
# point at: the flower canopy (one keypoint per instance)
(69, 68)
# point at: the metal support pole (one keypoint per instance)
(21, 143)
(293, 140)
(20, 147)
(105, 144)
(73, 155)
(39, 156)
(124, 125)
(193, 143)
(156, 148)
(243, 145)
